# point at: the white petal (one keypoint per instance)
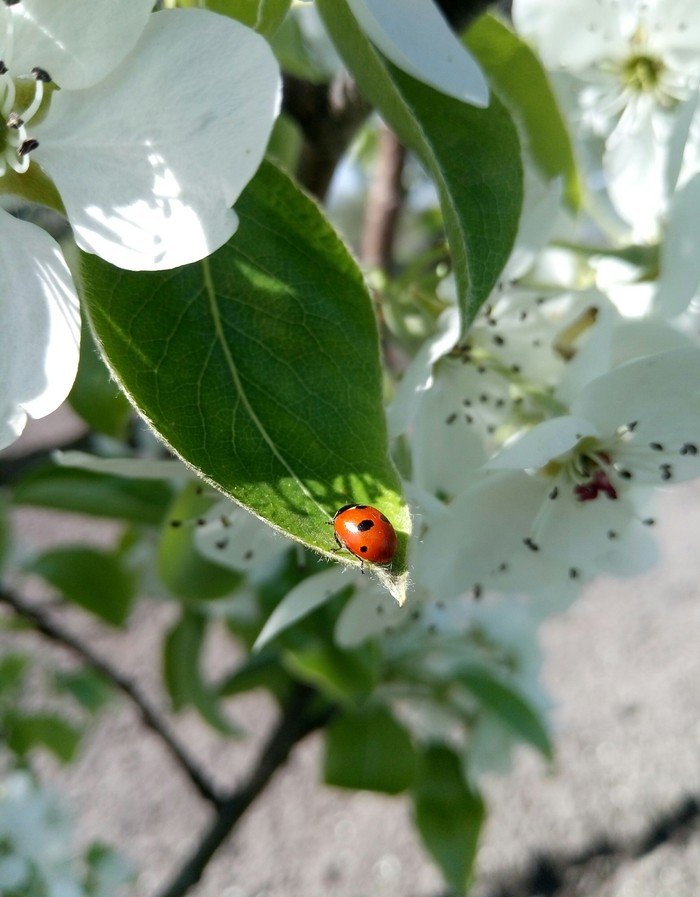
(483, 528)
(545, 442)
(572, 33)
(446, 444)
(680, 259)
(635, 157)
(150, 160)
(300, 601)
(77, 42)
(134, 468)
(417, 39)
(538, 218)
(418, 376)
(39, 326)
(367, 614)
(640, 389)
(579, 533)
(673, 31)
(237, 539)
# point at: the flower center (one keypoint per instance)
(642, 73)
(20, 101)
(591, 468)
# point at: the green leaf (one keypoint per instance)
(12, 670)
(521, 81)
(309, 594)
(183, 677)
(5, 533)
(24, 732)
(89, 577)
(506, 702)
(95, 396)
(88, 688)
(181, 566)
(344, 676)
(260, 366)
(261, 670)
(264, 16)
(472, 154)
(100, 495)
(449, 815)
(304, 55)
(369, 750)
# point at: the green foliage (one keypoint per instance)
(260, 365)
(265, 16)
(448, 814)
(504, 700)
(95, 396)
(518, 76)
(183, 676)
(25, 731)
(181, 566)
(13, 667)
(88, 688)
(346, 677)
(94, 579)
(142, 502)
(368, 749)
(472, 154)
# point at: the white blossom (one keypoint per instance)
(418, 40)
(143, 128)
(635, 63)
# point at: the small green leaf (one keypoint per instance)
(369, 750)
(88, 688)
(181, 566)
(183, 677)
(100, 495)
(303, 55)
(309, 594)
(505, 701)
(472, 154)
(12, 670)
(344, 676)
(260, 366)
(24, 732)
(89, 577)
(95, 396)
(449, 815)
(261, 670)
(518, 76)
(264, 16)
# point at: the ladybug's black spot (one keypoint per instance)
(364, 525)
(385, 519)
(363, 548)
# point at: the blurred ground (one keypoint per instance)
(616, 816)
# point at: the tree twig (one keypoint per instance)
(293, 725)
(329, 116)
(43, 623)
(384, 200)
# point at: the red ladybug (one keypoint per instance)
(366, 533)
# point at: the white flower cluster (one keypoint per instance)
(539, 443)
(37, 854)
(143, 129)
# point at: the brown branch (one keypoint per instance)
(293, 725)
(56, 633)
(384, 201)
(329, 116)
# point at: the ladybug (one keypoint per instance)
(366, 533)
